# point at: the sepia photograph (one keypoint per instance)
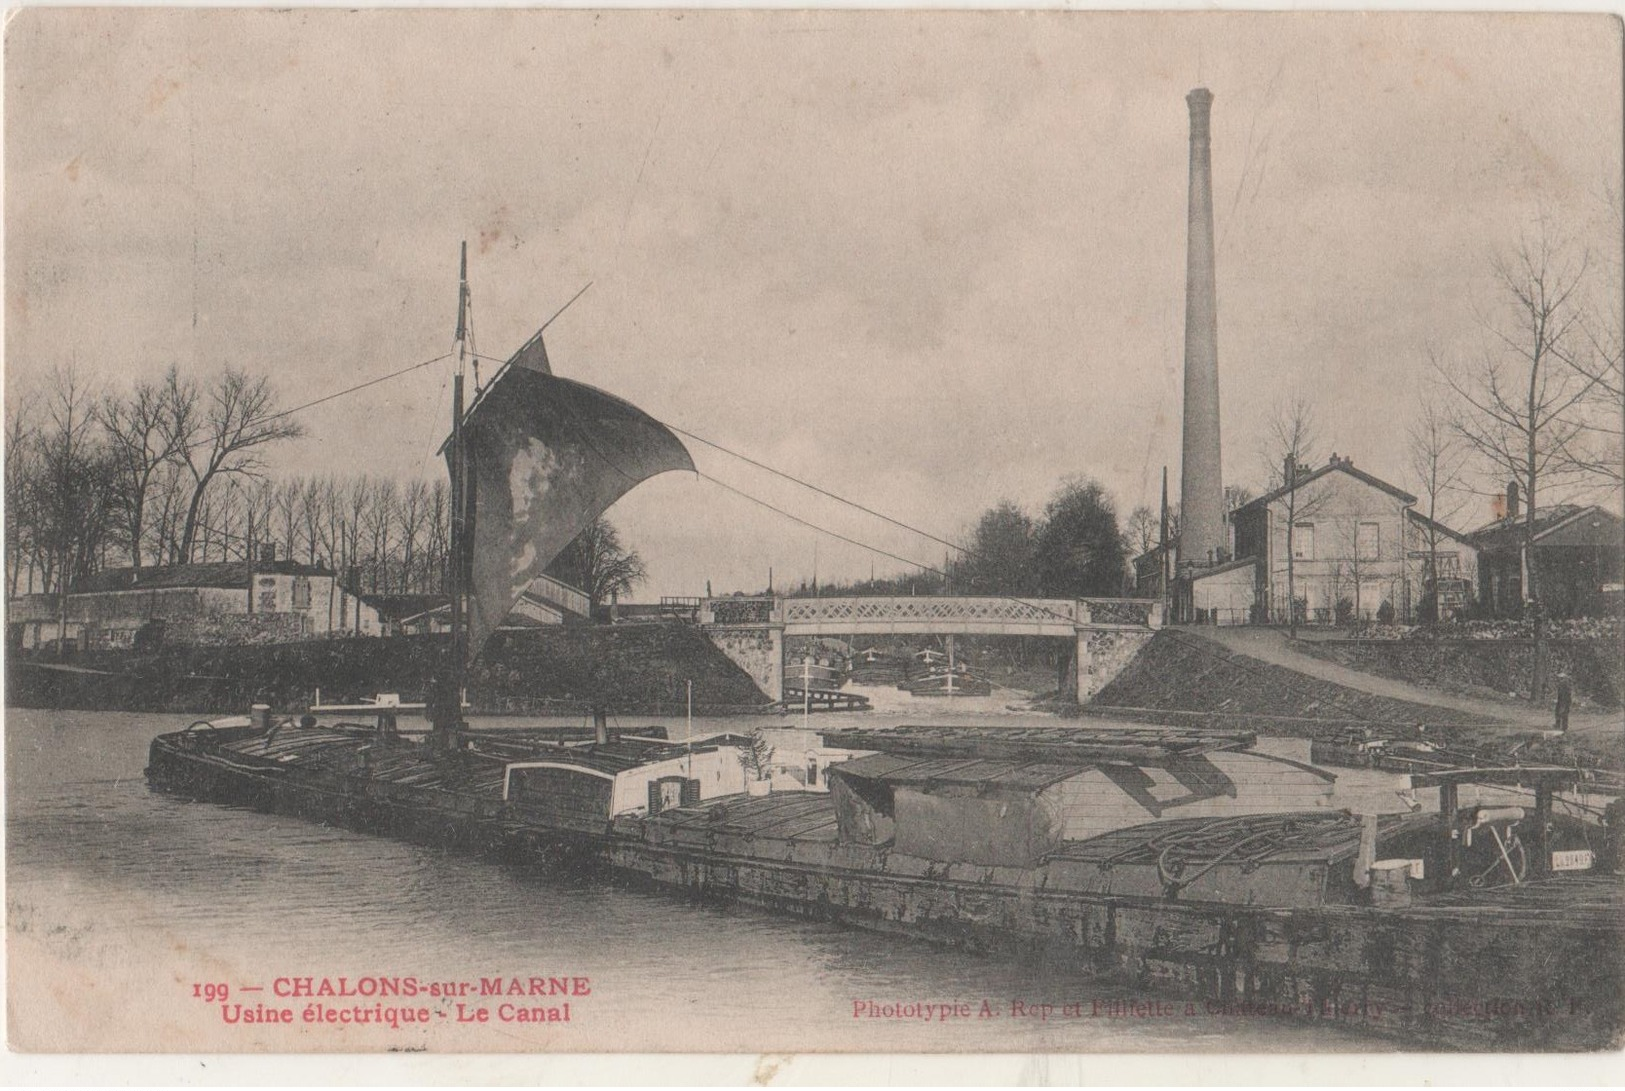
(813, 532)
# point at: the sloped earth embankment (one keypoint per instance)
(1486, 668)
(1181, 677)
(628, 669)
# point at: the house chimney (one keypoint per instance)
(1201, 530)
(268, 553)
(1512, 499)
(1289, 470)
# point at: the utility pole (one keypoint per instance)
(449, 711)
(1163, 551)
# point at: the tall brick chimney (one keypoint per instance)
(1201, 530)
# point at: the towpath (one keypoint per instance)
(1275, 647)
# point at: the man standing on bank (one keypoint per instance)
(1565, 697)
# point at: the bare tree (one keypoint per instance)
(333, 523)
(235, 419)
(1289, 448)
(311, 496)
(72, 514)
(1599, 362)
(357, 495)
(287, 496)
(1519, 405)
(331, 507)
(141, 443)
(166, 509)
(1601, 453)
(413, 510)
(1438, 460)
(599, 564)
(379, 521)
(259, 501)
(439, 530)
(219, 513)
(1142, 530)
(22, 469)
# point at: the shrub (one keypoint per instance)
(755, 755)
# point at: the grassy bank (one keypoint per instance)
(1180, 671)
(1184, 678)
(1486, 668)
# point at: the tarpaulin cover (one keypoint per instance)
(546, 456)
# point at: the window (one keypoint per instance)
(301, 592)
(1368, 541)
(268, 601)
(1303, 541)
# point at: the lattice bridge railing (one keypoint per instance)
(931, 614)
(902, 610)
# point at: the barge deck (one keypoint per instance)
(1535, 965)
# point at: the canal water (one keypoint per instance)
(124, 907)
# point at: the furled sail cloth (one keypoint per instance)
(546, 456)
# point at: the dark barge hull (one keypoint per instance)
(1481, 977)
(452, 821)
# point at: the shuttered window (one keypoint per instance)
(1303, 541)
(1368, 541)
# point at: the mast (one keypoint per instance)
(449, 713)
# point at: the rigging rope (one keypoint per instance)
(257, 421)
(815, 526)
(822, 491)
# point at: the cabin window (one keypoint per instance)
(301, 592)
(1303, 541)
(1368, 541)
(268, 601)
(673, 791)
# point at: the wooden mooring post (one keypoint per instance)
(1452, 832)
(1542, 864)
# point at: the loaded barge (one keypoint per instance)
(1019, 841)
(1174, 857)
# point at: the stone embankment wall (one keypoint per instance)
(1110, 651)
(218, 628)
(756, 650)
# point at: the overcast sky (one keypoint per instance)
(926, 262)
